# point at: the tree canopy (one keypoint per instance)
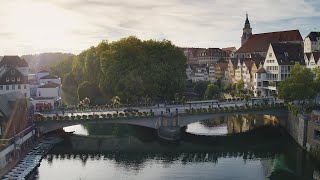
(128, 68)
(301, 85)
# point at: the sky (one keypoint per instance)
(36, 26)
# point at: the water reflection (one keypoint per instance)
(252, 152)
(230, 124)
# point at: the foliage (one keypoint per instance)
(227, 87)
(239, 85)
(200, 87)
(300, 86)
(128, 68)
(87, 90)
(212, 91)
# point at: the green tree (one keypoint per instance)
(212, 91)
(227, 87)
(299, 86)
(200, 87)
(87, 90)
(239, 86)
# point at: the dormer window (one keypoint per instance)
(13, 79)
(18, 79)
(7, 79)
(13, 72)
(286, 54)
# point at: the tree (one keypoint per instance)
(299, 86)
(87, 90)
(200, 87)
(227, 87)
(115, 102)
(239, 86)
(212, 91)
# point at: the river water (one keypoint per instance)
(237, 147)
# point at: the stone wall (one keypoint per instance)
(296, 126)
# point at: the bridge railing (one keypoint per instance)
(191, 111)
(236, 108)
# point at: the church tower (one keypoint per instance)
(247, 31)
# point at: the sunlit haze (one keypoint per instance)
(35, 26)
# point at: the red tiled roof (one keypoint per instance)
(260, 42)
(261, 70)
(13, 60)
(222, 65)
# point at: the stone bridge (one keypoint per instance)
(177, 120)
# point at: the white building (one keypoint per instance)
(197, 73)
(13, 75)
(312, 60)
(312, 42)
(280, 59)
(45, 91)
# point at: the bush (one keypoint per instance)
(140, 114)
(96, 116)
(145, 114)
(78, 117)
(54, 118)
(103, 116)
(121, 115)
(49, 118)
(66, 117)
(115, 115)
(109, 116)
(84, 117)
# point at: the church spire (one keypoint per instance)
(247, 31)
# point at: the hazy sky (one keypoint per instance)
(34, 26)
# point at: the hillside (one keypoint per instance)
(44, 60)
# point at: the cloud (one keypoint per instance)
(74, 25)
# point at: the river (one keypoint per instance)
(244, 147)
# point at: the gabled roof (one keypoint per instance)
(260, 42)
(261, 70)
(17, 73)
(316, 56)
(13, 61)
(313, 36)
(50, 77)
(288, 53)
(234, 62)
(50, 85)
(308, 55)
(222, 65)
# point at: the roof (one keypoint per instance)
(50, 77)
(261, 70)
(5, 106)
(50, 85)
(234, 62)
(288, 53)
(229, 49)
(222, 65)
(260, 42)
(13, 61)
(17, 73)
(316, 56)
(313, 36)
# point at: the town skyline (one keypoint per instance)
(57, 26)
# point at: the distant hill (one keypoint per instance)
(41, 61)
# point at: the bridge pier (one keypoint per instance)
(168, 127)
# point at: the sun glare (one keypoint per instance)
(42, 25)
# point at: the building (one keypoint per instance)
(312, 60)
(45, 91)
(230, 51)
(219, 71)
(197, 73)
(14, 75)
(15, 114)
(312, 42)
(281, 57)
(232, 66)
(205, 56)
(247, 31)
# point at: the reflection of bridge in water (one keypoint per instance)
(131, 151)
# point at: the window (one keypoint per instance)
(13, 87)
(25, 86)
(259, 84)
(13, 72)
(13, 79)
(7, 79)
(1, 87)
(270, 54)
(286, 54)
(7, 87)
(19, 86)
(18, 79)
(259, 76)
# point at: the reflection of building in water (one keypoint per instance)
(243, 123)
